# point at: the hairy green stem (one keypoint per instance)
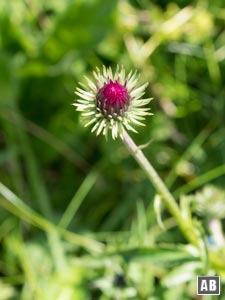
(186, 227)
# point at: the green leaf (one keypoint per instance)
(158, 255)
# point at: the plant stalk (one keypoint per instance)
(186, 227)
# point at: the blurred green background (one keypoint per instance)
(77, 218)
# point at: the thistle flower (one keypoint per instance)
(113, 102)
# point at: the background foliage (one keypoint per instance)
(77, 218)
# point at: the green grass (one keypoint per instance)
(78, 218)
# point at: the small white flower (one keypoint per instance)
(113, 102)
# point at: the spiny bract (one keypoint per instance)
(112, 102)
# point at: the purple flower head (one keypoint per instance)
(113, 99)
(112, 102)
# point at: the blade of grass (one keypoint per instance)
(6, 227)
(141, 226)
(199, 140)
(20, 250)
(212, 63)
(200, 180)
(39, 191)
(17, 207)
(77, 199)
(34, 177)
(14, 162)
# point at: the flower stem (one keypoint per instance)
(186, 227)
